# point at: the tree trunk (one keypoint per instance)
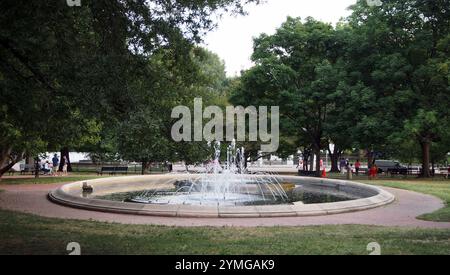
(426, 145)
(36, 167)
(334, 163)
(306, 156)
(6, 169)
(144, 166)
(65, 153)
(7, 161)
(335, 160)
(4, 157)
(318, 170)
(370, 161)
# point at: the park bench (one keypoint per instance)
(27, 168)
(106, 170)
(121, 170)
(11, 172)
(113, 170)
(398, 171)
(31, 169)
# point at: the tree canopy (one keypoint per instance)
(376, 81)
(69, 73)
(105, 76)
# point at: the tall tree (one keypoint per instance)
(59, 62)
(145, 135)
(301, 69)
(405, 61)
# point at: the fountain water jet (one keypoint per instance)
(230, 185)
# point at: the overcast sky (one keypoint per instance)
(233, 39)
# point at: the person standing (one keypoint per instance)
(55, 162)
(65, 165)
(357, 167)
(373, 172)
(300, 165)
(37, 167)
(346, 166)
(350, 171)
(342, 166)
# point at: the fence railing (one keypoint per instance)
(132, 168)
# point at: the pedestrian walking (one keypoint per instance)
(55, 162)
(65, 166)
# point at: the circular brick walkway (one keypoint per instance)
(403, 212)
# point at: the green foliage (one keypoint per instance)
(405, 47)
(104, 77)
(379, 81)
(145, 135)
(69, 75)
(49, 180)
(302, 69)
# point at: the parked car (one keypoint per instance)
(391, 167)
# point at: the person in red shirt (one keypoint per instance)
(373, 172)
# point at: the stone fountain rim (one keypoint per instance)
(62, 196)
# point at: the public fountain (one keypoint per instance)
(225, 190)
(228, 185)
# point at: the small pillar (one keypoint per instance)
(349, 173)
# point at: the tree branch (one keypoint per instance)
(5, 43)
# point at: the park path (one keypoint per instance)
(32, 199)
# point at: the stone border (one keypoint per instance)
(71, 195)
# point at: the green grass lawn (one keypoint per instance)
(73, 177)
(28, 234)
(49, 180)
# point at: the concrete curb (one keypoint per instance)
(71, 195)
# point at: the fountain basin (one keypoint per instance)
(365, 197)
